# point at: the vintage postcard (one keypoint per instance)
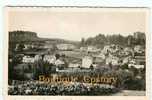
(72, 53)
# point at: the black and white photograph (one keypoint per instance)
(59, 51)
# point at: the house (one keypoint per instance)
(112, 60)
(139, 66)
(128, 51)
(16, 47)
(92, 49)
(37, 57)
(87, 61)
(83, 48)
(27, 46)
(66, 47)
(136, 66)
(28, 59)
(101, 55)
(49, 58)
(75, 64)
(98, 60)
(106, 49)
(33, 45)
(111, 49)
(138, 49)
(126, 60)
(59, 62)
(48, 46)
(140, 60)
(137, 62)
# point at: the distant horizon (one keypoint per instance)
(81, 37)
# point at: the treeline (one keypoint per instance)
(30, 37)
(22, 36)
(100, 40)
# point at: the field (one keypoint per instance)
(130, 93)
(73, 54)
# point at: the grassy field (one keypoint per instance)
(130, 93)
(74, 54)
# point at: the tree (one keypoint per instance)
(91, 67)
(82, 42)
(20, 47)
(57, 56)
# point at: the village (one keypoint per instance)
(89, 56)
(68, 57)
(30, 60)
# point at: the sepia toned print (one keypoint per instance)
(77, 52)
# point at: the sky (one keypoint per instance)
(77, 23)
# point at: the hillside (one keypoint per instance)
(27, 36)
(20, 36)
